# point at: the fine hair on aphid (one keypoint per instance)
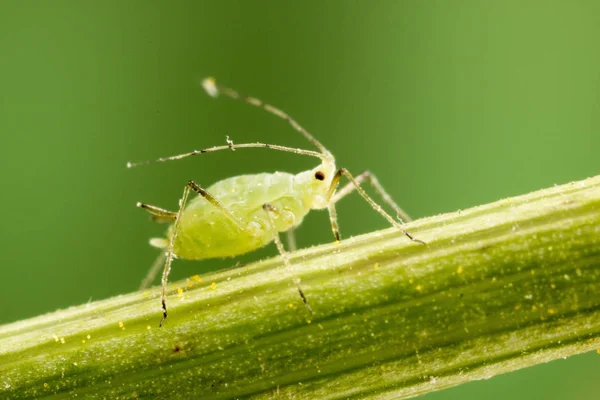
(243, 213)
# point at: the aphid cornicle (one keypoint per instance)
(243, 213)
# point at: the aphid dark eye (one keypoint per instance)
(319, 175)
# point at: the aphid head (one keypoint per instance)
(317, 182)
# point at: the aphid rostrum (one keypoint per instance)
(243, 213)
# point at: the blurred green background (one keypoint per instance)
(451, 103)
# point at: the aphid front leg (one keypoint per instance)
(271, 211)
(356, 186)
(372, 179)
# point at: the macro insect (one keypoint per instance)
(243, 213)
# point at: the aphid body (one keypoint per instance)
(206, 232)
(243, 213)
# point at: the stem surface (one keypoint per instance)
(496, 288)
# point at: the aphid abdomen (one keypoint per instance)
(213, 235)
(289, 213)
(206, 232)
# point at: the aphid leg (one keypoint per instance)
(191, 185)
(210, 198)
(372, 179)
(291, 240)
(270, 211)
(335, 182)
(158, 214)
(333, 221)
(169, 253)
(159, 262)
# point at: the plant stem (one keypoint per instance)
(496, 288)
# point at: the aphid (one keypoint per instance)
(243, 213)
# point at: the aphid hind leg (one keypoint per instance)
(372, 179)
(331, 196)
(153, 271)
(272, 211)
(211, 199)
(191, 185)
(291, 240)
(158, 214)
(169, 254)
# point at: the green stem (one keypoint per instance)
(497, 288)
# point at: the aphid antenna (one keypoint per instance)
(325, 158)
(213, 89)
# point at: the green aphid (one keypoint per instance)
(243, 213)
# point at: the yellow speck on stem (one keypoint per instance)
(193, 280)
(376, 266)
(46, 385)
(419, 288)
(62, 340)
(291, 305)
(55, 338)
(213, 285)
(121, 325)
(459, 270)
(180, 292)
(148, 327)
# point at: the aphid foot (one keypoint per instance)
(411, 237)
(305, 300)
(164, 306)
